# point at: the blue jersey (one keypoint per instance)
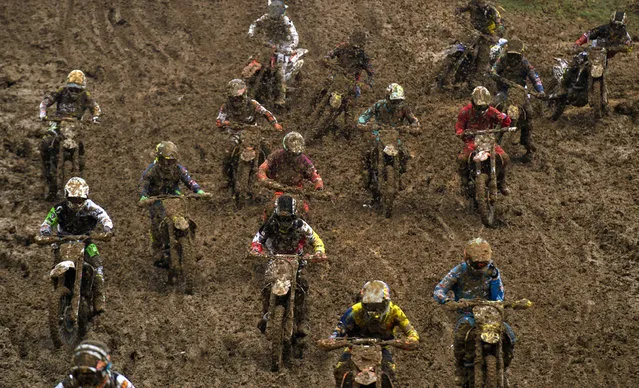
(466, 284)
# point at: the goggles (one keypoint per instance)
(77, 201)
(479, 264)
(375, 307)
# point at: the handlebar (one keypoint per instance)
(468, 303)
(150, 200)
(401, 128)
(485, 131)
(319, 194)
(59, 119)
(45, 240)
(328, 344)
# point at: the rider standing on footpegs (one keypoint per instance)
(476, 277)
(352, 59)
(392, 111)
(78, 215)
(237, 111)
(163, 177)
(375, 316)
(280, 34)
(513, 67)
(486, 19)
(92, 368)
(479, 116)
(72, 101)
(285, 233)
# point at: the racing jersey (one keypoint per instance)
(291, 242)
(280, 33)
(466, 284)
(71, 102)
(355, 323)
(70, 222)
(156, 180)
(283, 169)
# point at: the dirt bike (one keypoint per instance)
(461, 60)
(246, 158)
(482, 172)
(281, 274)
(385, 164)
(587, 84)
(332, 102)
(366, 357)
(512, 103)
(261, 75)
(488, 332)
(181, 231)
(67, 149)
(301, 195)
(71, 305)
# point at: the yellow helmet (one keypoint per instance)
(166, 150)
(77, 79)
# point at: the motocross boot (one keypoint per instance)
(99, 299)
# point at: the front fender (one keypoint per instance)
(61, 268)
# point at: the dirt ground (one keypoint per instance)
(567, 236)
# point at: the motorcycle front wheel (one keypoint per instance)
(491, 371)
(595, 98)
(276, 334)
(482, 197)
(64, 331)
(243, 183)
(389, 189)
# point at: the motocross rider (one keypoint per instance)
(513, 67)
(391, 111)
(285, 233)
(78, 215)
(279, 33)
(477, 116)
(163, 177)
(347, 60)
(613, 36)
(374, 316)
(476, 277)
(486, 19)
(239, 110)
(72, 101)
(92, 368)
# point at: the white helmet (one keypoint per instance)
(76, 187)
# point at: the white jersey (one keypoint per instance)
(287, 45)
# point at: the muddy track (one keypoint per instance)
(566, 238)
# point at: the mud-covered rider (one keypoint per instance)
(92, 368)
(163, 177)
(613, 35)
(476, 277)
(284, 232)
(289, 166)
(72, 100)
(513, 67)
(78, 215)
(351, 58)
(277, 31)
(392, 111)
(478, 116)
(239, 110)
(374, 316)
(486, 19)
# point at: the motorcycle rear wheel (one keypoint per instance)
(485, 205)
(595, 98)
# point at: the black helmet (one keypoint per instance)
(91, 363)
(618, 19)
(276, 9)
(285, 213)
